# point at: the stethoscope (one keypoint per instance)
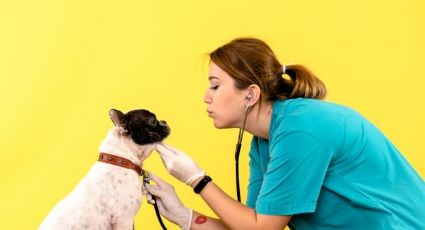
(146, 178)
(239, 145)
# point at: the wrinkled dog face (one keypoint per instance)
(141, 125)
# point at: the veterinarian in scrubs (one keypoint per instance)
(313, 164)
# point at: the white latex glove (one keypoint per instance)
(179, 164)
(168, 202)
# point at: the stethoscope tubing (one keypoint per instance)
(237, 152)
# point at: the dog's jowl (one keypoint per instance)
(109, 196)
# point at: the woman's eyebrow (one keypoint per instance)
(212, 77)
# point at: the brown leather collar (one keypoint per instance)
(119, 161)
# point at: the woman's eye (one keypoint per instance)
(214, 87)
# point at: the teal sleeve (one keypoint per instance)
(255, 175)
(295, 174)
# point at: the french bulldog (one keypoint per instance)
(109, 196)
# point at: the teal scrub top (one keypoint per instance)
(330, 168)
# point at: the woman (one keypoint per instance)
(313, 164)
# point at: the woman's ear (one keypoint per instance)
(254, 94)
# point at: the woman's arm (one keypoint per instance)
(174, 210)
(236, 215)
(202, 222)
(232, 213)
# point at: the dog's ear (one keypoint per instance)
(118, 118)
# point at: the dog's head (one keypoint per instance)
(141, 125)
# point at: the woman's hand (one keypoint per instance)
(179, 164)
(168, 202)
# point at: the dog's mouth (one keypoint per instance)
(162, 131)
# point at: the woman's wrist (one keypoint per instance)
(201, 184)
(196, 182)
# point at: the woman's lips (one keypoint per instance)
(210, 113)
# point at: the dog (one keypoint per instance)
(109, 196)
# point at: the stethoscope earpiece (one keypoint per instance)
(248, 101)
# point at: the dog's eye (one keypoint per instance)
(153, 122)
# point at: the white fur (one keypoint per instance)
(109, 196)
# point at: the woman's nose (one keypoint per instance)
(207, 98)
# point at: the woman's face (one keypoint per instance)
(225, 103)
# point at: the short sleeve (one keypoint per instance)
(255, 174)
(295, 174)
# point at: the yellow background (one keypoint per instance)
(64, 64)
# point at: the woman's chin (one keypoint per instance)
(219, 125)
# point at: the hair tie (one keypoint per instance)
(284, 69)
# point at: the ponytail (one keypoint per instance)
(303, 83)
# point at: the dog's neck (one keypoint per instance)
(123, 146)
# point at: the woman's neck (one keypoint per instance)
(258, 120)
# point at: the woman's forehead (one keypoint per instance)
(216, 73)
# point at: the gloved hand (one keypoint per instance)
(168, 202)
(179, 164)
